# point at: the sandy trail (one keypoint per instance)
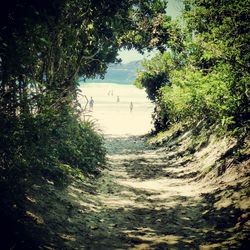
(149, 209)
(146, 198)
(142, 202)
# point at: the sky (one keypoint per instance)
(173, 9)
(133, 55)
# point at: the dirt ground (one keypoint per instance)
(148, 198)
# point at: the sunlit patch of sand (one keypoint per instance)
(77, 194)
(68, 237)
(35, 217)
(167, 190)
(117, 202)
(149, 238)
(211, 246)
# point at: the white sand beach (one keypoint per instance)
(115, 118)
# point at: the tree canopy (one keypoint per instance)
(204, 73)
(44, 47)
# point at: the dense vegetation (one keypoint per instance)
(44, 47)
(203, 75)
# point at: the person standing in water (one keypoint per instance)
(91, 103)
(131, 106)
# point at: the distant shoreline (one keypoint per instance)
(81, 82)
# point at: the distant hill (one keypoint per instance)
(119, 73)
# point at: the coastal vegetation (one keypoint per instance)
(203, 75)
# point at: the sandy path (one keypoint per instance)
(146, 198)
(149, 209)
(144, 201)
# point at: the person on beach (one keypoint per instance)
(131, 106)
(118, 99)
(91, 103)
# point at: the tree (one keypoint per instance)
(44, 47)
(208, 65)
